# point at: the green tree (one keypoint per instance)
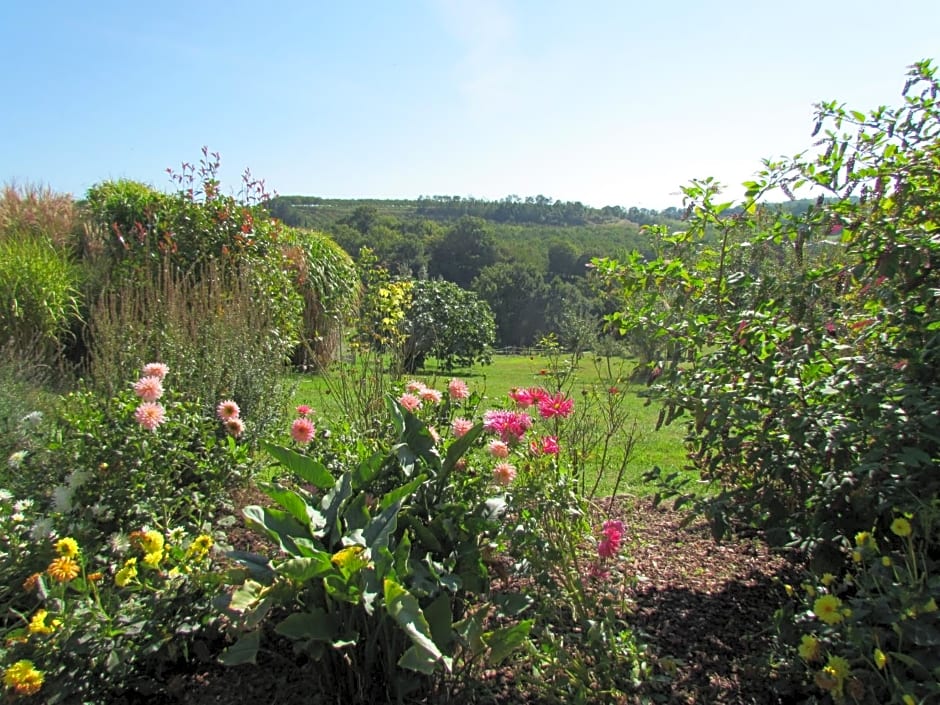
(518, 296)
(463, 252)
(449, 323)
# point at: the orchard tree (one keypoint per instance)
(447, 322)
(463, 252)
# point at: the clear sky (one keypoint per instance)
(609, 103)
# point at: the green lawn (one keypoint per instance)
(331, 395)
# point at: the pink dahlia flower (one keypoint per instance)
(155, 369)
(235, 426)
(504, 473)
(431, 396)
(150, 414)
(460, 427)
(522, 397)
(547, 445)
(498, 449)
(457, 389)
(557, 405)
(510, 425)
(148, 388)
(227, 410)
(302, 430)
(303, 410)
(409, 402)
(414, 387)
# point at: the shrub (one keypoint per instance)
(218, 333)
(449, 323)
(327, 280)
(121, 462)
(808, 389)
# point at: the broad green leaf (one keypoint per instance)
(304, 467)
(458, 448)
(377, 532)
(245, 650)
(259, 566)
(278, 525)
(332, 504)
(403, 607)
(402, 492)
(502, 642)
(306, 568)
(316, 624)
(440, 619)
(290, 501)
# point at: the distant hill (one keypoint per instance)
(319, 213)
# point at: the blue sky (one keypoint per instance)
(608, 103)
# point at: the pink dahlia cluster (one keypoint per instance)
(510, 425)
(149, 388)
(548, 405)
(230, 416)
(302, 429)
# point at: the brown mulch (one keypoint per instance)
(702, 609)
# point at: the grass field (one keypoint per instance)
(592, 378)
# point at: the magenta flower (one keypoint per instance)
(606, 548)
(504, 473)
(613, 529)
(460, 427)
(510, 425)
(150, 414)
(409, 402)
(303, 410)
(458, 390)
(556, 405)
(431, 396)
(302, 430)
(227, 410)
(547, 445)
(148, 388)
(155, 369)
(235, 426)
(522, 397)
(498, 449)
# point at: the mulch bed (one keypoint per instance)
(703, 610)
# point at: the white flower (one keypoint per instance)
(18, 517)
(41, 530)
(62, 498)
(16, 459)
(21, 505)
(32, 419)
(5, 495)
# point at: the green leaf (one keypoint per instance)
(458, 448)
(403, 607)
(245, 650)
(440, 617)
(259, 566)
(306, 568)
(316, 624)
(402, 492)
(502, 642)
(278, 525)
(377, 532)
(293, 503)
(304, 467)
